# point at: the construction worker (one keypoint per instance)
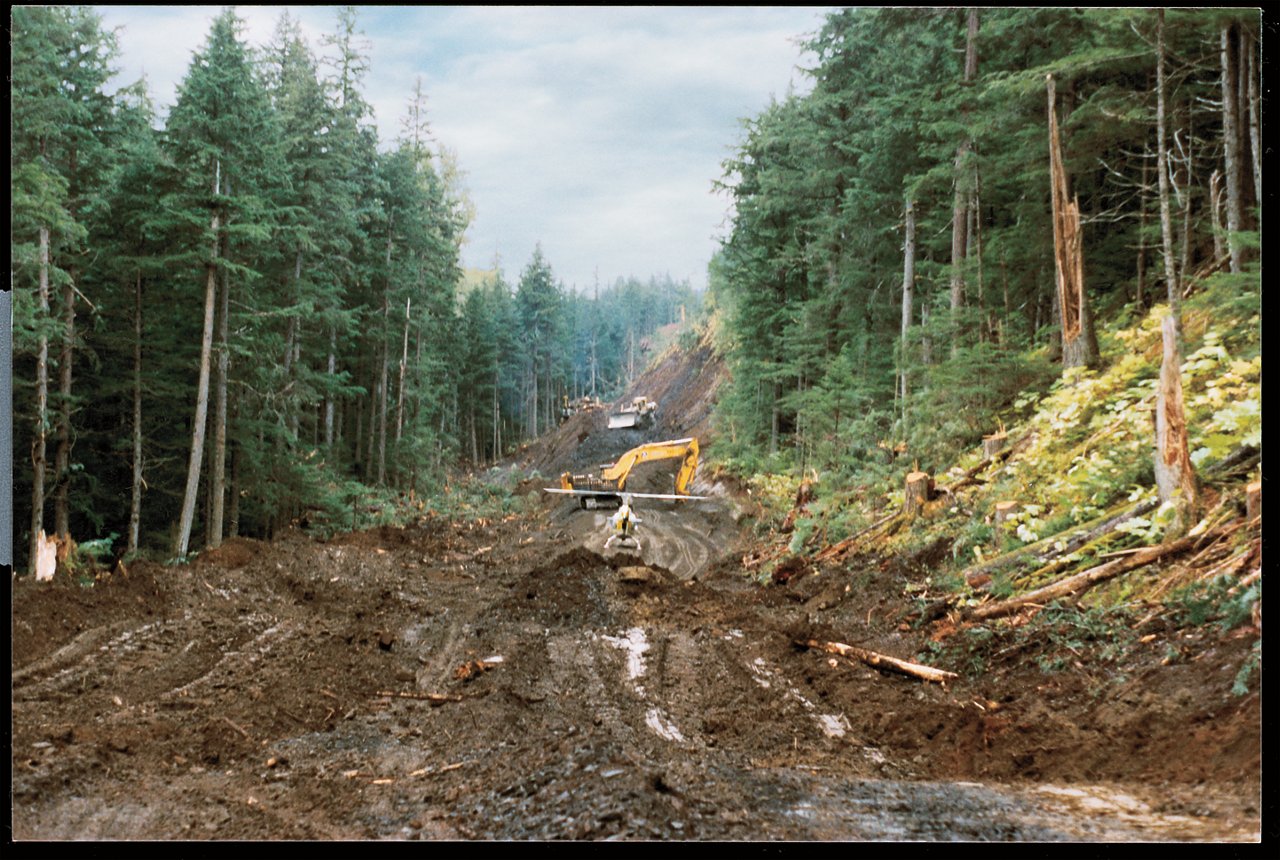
(622, 524)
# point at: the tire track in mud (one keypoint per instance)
(645, 698)
(678, 538)
(82, 647)
(160, 658)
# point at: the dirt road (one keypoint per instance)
(509, 681)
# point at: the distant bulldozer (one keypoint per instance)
(638, 413)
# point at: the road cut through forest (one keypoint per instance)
(508, 679)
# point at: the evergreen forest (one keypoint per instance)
(256, 311)
(976, 214)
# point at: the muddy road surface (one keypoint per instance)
(512, 680)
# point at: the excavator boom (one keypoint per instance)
(612, 481)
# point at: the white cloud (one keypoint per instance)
(596, 131)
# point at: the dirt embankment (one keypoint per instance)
(683, 384)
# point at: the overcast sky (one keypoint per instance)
(596, 132)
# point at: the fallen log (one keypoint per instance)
(1080, 581)
(1241, 460)
(840, 547)
(1041, 552)
(881, 661)
(969, 478)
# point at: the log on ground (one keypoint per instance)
(881, 661)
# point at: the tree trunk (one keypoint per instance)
(992, 444)
(919, 489)
(1173, 290)
(135, 496)
(404, 362)
(381, 413)
(975, 253)
(197, 428)
(1079, 345)
(908, 295)
(959, 207)
(372, 441)
(961, 198)
(1140, 296)
(292, 345)
(775, 417)
(202, 389)
(1215, 215)
(1255, 124)
(1004, 510)
(1188, 182)
(62, 459)
(218, 466)
(332, 367)
(38, 441)
(474, 435)
(1175, 478)
(1231, 147)
(233, 508)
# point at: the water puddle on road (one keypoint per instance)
(1120, 814)
(635, 643)
(832, 725)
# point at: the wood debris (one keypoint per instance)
(881, 661)
(1080, 581)
(435, 699)
(473, 668)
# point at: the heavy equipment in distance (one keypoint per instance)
(638, 413)
(607, 488)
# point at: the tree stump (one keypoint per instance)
(1253, 501)
(991, 445)
(1004, 510)
(804, 495)
(919, 491)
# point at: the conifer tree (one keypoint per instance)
(58, 156)
(225, 149)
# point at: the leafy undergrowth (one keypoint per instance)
(1077, 459)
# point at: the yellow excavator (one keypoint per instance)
(606, 489)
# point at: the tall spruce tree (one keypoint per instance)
(226, 158)
(58, 157)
